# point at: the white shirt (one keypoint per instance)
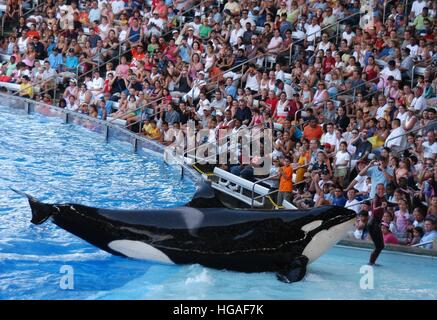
(413, 50)
(329, 138)
(274, 43)
(419, 103)
(22, 44)
(417, 7)
(348, 37)
(158, 23)
(252, 82)
(313, 32)
(429, 151)
(353, 205)
(243, 22)
(386, 72)
(341, 157)
(98, 83)
(219, 105)
(49, 73)
(402, 116)
(323, 46)
(235, 34)
(380, 111)
(280, 75)
(72, 107)
(117, 6)
(361, 184)
(299, 34)
(122, 36)
(398, 141)
(168, 135)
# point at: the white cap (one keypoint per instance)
(310, 48)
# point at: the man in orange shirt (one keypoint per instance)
(285, 181)
(313, 130)
(138, 53)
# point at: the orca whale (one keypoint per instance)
(206, 232)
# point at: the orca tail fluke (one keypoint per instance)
(295, 271)
(40, 211)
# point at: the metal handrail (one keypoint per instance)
(24, 14)
(253, 188)
(344, 19)
(419, 64)
(332, 98)
(411, 131)
(138, 108)
(41, 82)
(422, 244)
(120, 48)
(208, 92)
(309, 35)
(141, 119)
(180, 15)
(384, 15)
(238, 66)
(216, 143)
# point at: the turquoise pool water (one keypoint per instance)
(67, 163)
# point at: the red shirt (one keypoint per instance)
(272, 103)
(312, 133)
(328, 64)
(376, 203)
(294, 106)
(137, 56)
(33, 34)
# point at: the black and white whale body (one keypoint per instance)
(205, 232)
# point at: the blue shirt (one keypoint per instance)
(429, 236)
(71, 62)
(339, 201)
(50, 48)
(56, 60)
(184, 53)
(94, 15)
(231, 91)
(108, 106)
(377, 176)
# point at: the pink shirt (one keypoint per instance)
(402, 221)
(122, 70)
(390, 238)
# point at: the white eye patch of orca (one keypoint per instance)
(323, 240)
(312, 225)
(139, 250)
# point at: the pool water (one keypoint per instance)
(56, 162)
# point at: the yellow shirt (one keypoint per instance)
(26, 89)
(154, 133)
(147, 127)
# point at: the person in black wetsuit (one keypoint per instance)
(379, 203)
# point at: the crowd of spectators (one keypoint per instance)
(339, 88)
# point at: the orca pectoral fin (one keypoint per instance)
(295, 271)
